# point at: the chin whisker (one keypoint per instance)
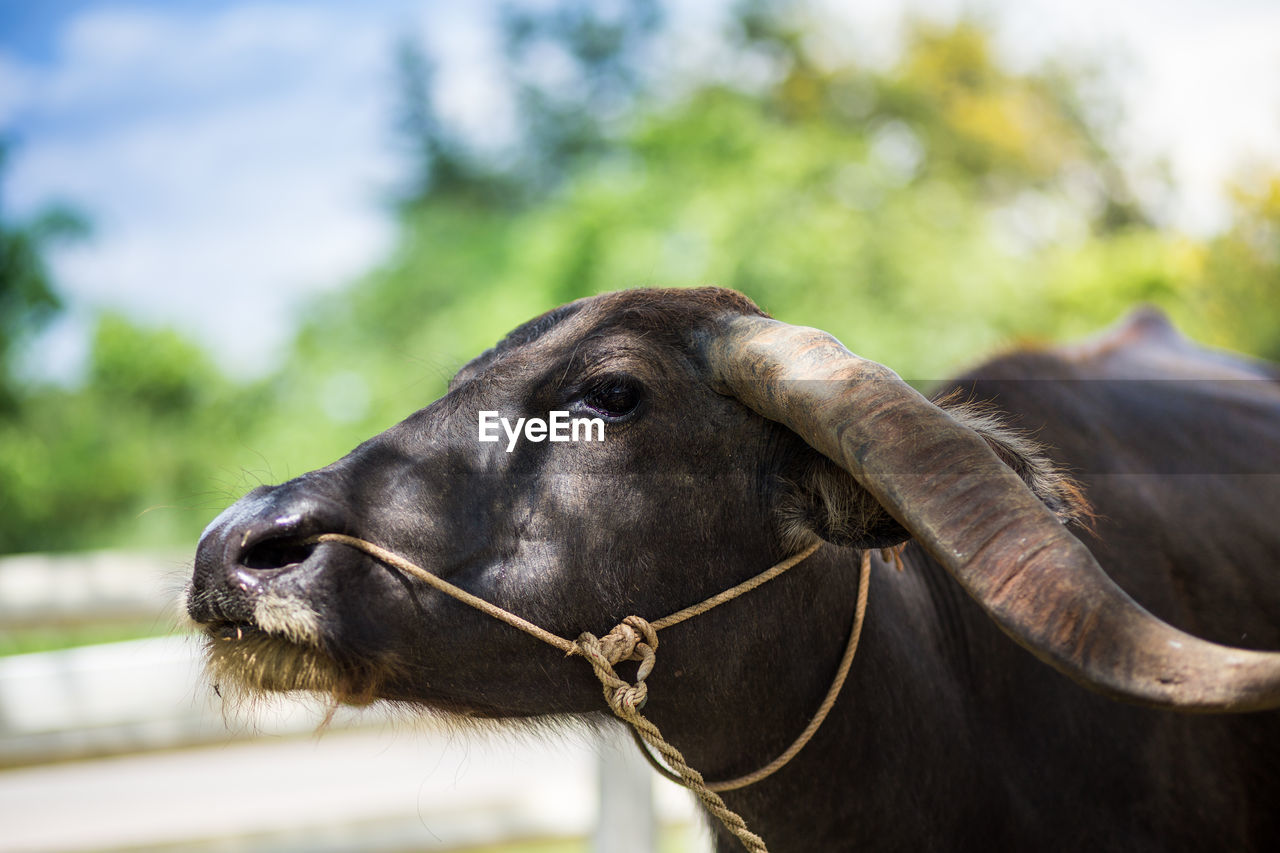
(253, 662)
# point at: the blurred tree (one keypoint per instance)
(27, 296)
(575, 72)
(951, 109)
(441, 165)
(1240, 281)
(927, 212)
(157, 371)
(578, 70)
(82, 467)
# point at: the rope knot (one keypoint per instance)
(632, 639)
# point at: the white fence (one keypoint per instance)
(123, 746)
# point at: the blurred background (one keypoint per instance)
(236, 239)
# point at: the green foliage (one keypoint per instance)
(156, 371)
(131, 458)
(928, 214)
(27, 298)
(1239, 272)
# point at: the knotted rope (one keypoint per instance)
(636, 639)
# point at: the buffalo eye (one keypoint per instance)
(613, 398)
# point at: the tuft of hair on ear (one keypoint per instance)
(825, 502)
(1025, 457)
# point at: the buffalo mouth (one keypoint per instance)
(265, 636)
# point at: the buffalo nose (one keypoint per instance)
(261, 536)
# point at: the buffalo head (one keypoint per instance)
(730, 440)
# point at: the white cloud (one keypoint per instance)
(126, 56)
(15, 85)
(230, 163)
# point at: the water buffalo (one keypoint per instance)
(732, 441)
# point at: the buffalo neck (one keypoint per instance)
(736, 686)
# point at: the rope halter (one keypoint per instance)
(636, 639)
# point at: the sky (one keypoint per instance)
(236, 157)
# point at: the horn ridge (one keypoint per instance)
(940, 481)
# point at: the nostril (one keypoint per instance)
(276, 554)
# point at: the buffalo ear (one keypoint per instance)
(819, 498)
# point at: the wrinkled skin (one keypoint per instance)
(947, 735)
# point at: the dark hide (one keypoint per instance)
(947, 735)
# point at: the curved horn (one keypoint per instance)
(1039, 583)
